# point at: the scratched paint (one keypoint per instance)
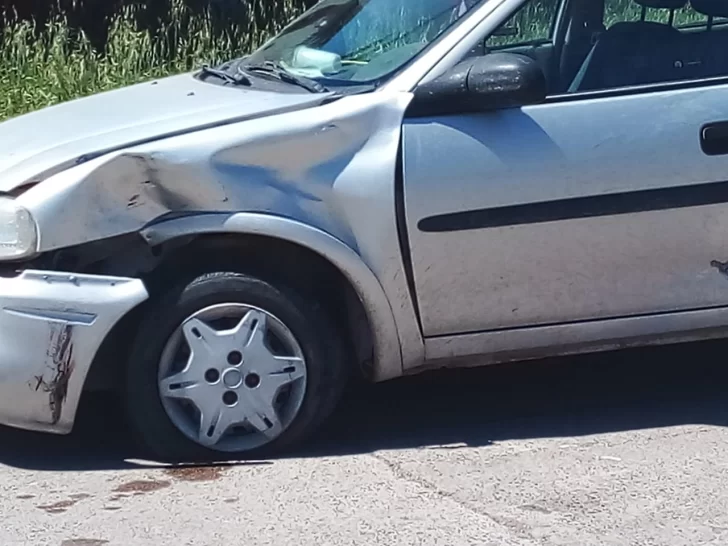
(60, 368)
(722, 267)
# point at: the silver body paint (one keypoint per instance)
(179, 157)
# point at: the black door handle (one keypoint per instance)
(714, 138)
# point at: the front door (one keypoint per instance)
(585, 207)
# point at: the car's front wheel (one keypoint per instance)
(231, 365)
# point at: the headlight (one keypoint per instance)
(18, 234)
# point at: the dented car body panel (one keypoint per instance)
(330, 168)
(51, 326)
(42, 143)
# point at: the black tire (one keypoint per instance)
(322, 343)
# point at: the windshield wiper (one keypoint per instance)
(237, 79)
(277, 71)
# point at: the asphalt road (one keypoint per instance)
(615, 449)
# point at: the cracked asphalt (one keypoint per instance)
(624, 448)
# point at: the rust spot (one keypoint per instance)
(195, 473)
(60, 352)
(57, 507)
(142, 486)
(84, 542)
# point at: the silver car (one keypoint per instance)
(386, 187)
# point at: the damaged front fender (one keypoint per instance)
(330, 168)
(288, 164)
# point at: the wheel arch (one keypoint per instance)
(275, 234)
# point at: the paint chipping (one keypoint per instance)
(722, 267)
(133, 201)
(60, 353)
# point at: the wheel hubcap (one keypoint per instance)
(232, 377)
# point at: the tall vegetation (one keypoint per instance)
(71, 49)
(43, 63)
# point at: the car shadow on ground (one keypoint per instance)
(575, 396)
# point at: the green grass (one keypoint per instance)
(58, 64)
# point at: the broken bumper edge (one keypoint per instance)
(51, 327)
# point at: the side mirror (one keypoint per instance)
(491, 82)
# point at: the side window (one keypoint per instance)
(619, 11)
(654, 42)
(630, 45)
(533, 24)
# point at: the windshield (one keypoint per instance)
(357, 41)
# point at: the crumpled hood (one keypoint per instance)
(36, 145)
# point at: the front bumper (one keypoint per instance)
(51, 327)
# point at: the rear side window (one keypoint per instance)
(628, 11)
(652, 46)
